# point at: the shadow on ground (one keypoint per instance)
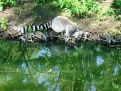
(31, 13)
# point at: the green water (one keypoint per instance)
(54, 67)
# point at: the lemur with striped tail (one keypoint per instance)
(59, 24)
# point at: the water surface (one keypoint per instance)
(54, 67)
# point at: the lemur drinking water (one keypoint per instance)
(58, 24)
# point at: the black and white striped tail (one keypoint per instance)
(34, 28)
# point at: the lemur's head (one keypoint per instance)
(78, 34)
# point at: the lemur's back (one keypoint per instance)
(61, 23)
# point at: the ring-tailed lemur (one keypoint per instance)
(58, 24)
(34, 31)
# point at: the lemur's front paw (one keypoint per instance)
(66, 37)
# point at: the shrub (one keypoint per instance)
(118, 3)
(4, 3)
(76, 7)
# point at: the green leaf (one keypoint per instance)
(30, 30)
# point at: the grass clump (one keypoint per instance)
(3, 23)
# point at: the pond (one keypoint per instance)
(54, 67)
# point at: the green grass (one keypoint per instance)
(3, 23)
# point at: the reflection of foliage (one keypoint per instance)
(79, 71)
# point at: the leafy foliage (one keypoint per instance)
(4, 3)
(118, 3)
(30, 30)
(76, 6)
